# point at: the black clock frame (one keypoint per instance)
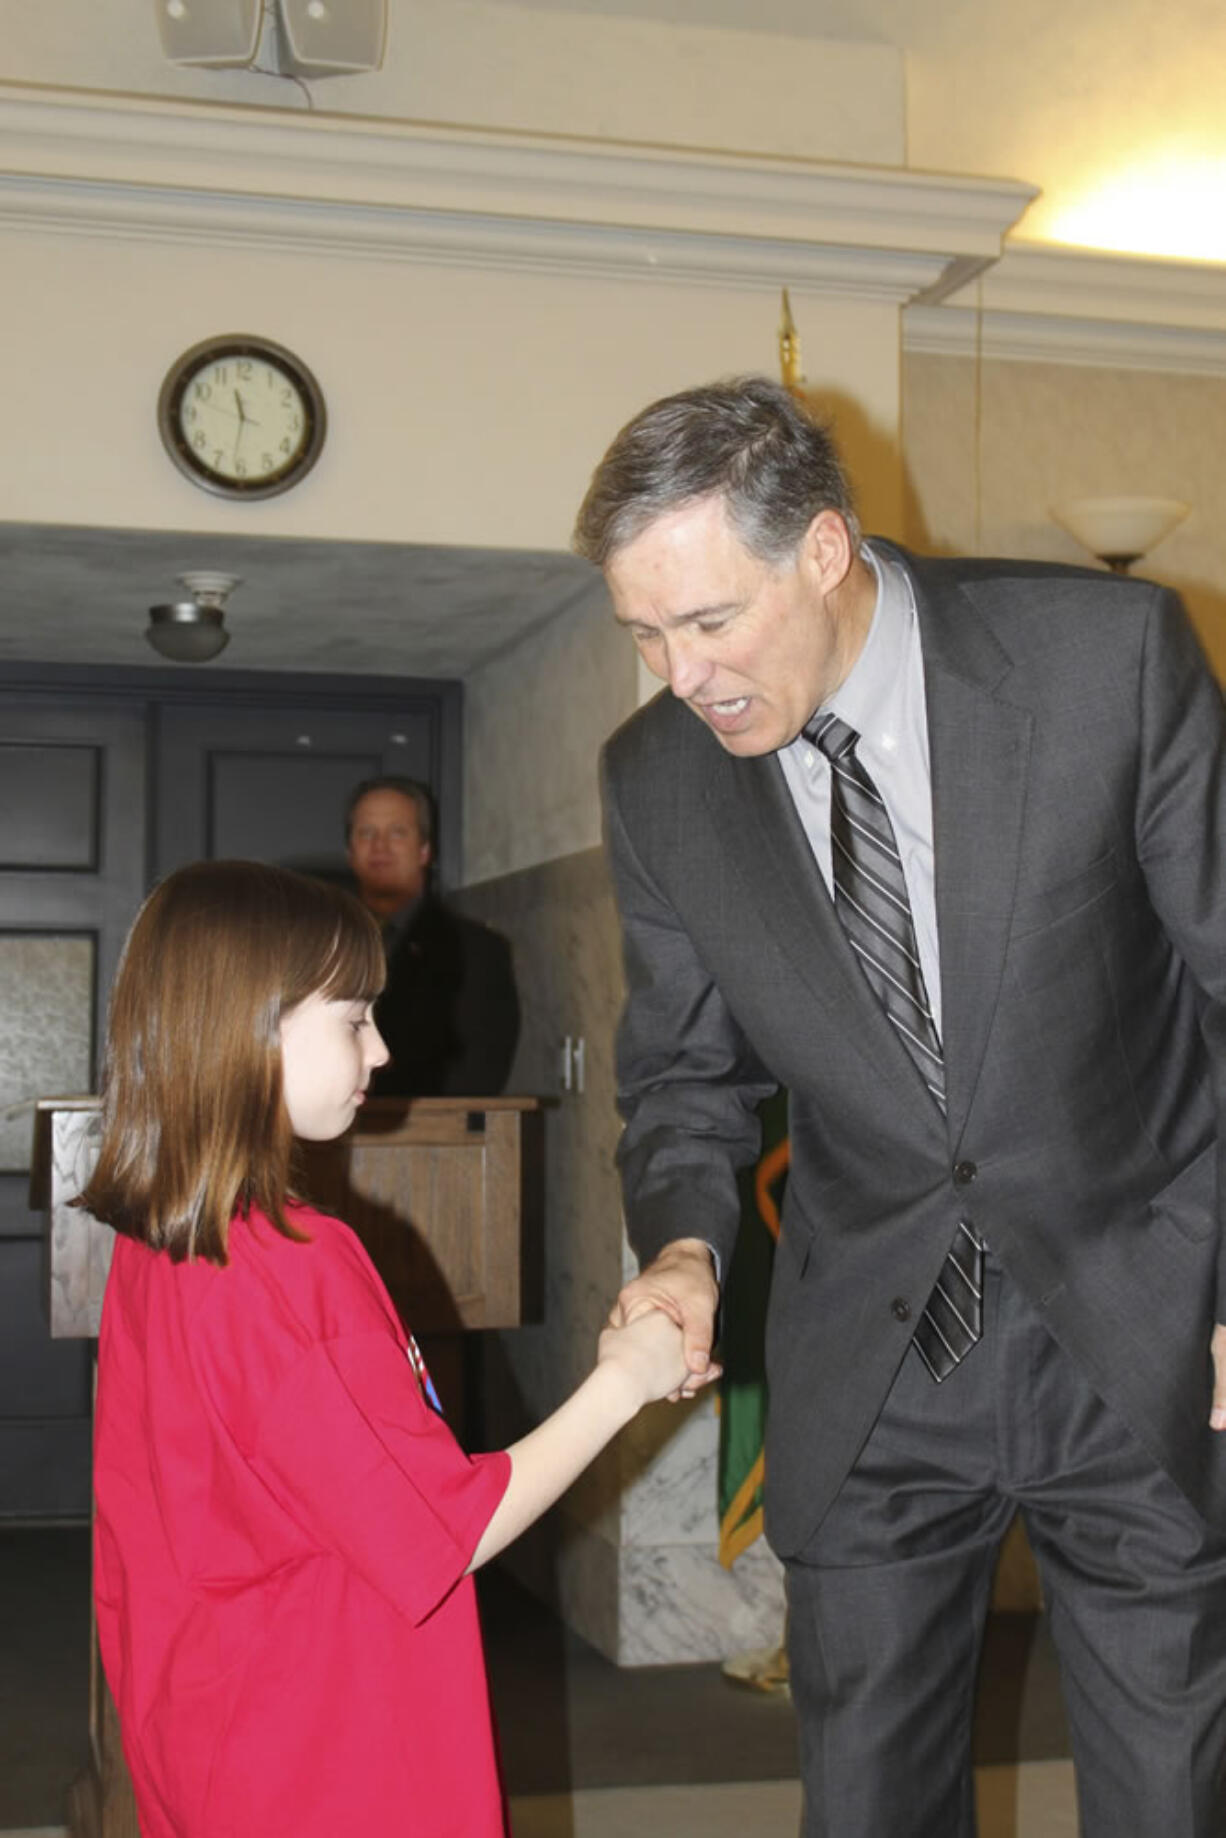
(239, 345)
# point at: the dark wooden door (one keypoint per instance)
(270, 783)
(72, 873)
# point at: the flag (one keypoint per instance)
(742, 1420)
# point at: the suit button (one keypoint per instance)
(900, 1310)
(964, 1173)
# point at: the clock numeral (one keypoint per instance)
(189, 413)
(219, 459)
(240, 469)
(202, 391)
(267, 462)
(285, 446)
(244, 367)
(287, 397)
(221, 374)
(199, 441)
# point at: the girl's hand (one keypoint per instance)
(649, 1354)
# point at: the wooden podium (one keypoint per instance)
(445, 1193)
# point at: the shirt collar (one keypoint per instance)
(870, 685)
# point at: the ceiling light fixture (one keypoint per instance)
(192, 630)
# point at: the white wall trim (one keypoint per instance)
(1079, 306)
(171, 171)
(465, 240)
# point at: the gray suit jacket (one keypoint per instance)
(1079, 811)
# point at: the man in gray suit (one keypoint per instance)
(940, 847)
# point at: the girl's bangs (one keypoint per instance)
(354, 970)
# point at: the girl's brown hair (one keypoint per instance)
(194, 1125)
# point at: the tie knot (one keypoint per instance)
(833, 737)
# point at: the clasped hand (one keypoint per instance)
(681, 1284)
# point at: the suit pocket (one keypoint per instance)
(1063, 899)
(1190, 1200)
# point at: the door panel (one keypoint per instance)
(72, 873)
(271, 783)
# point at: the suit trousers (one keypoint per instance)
(887, 1603)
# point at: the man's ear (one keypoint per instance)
(426, 855)
(827, 549)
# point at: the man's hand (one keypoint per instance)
(682, 1283)
(1217, 1416)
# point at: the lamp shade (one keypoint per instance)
(1119, 530)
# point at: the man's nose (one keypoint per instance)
(688, 669)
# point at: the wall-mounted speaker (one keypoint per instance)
(209, 32)
(321, 38)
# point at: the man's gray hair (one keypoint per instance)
(748, 439)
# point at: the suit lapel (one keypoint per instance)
(979, 745)
(783, 881)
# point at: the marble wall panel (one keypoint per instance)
(678, 1604)
(631, 1556)
(78, 1248)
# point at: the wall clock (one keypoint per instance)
(242, 416)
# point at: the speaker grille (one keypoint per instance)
(329, 37)
(209, 32)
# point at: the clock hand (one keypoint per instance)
(250, 421)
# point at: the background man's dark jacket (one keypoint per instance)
(449, 1012)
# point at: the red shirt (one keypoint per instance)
(283, 1526)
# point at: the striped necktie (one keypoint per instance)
(870, 898)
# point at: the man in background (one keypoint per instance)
(449, 1012)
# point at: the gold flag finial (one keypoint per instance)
(789, 348)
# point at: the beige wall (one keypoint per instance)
(990, 447)
(544, 70)
(465, 407)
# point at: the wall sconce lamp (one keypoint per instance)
(1119, 531)
(192, 630)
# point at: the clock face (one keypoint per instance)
(242, 417)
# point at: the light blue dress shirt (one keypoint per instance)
(883, 700)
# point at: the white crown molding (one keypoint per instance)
(1080, 306)
(467, 240)
(101, 165)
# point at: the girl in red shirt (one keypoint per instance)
(285, 1527)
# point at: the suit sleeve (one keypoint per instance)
(688, 1081)
(1181, 833)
